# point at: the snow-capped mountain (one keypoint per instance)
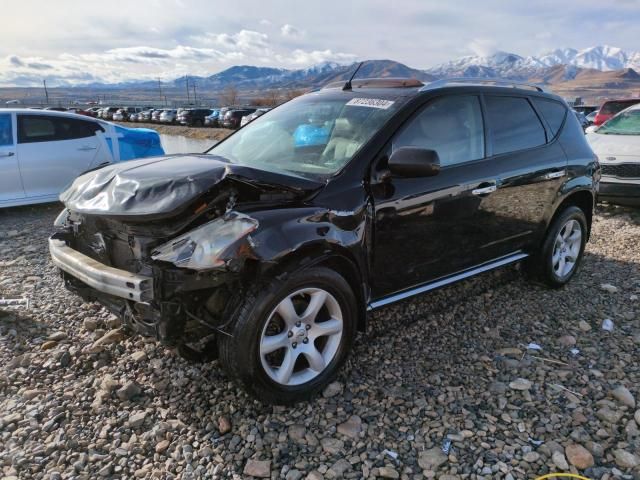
(503, 64)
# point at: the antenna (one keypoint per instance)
(347, 86)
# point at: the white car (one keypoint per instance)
(617, 144)
(42, 151)
(168, 116)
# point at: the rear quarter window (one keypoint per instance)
(514, 124)
(613, 107)
(552, 112)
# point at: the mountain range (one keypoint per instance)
(553, 67)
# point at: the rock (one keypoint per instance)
(531, 457)
(48, 345)
(57, 336)
(520, 384)
(636, 417)
(294, 474)
(352, 427)
(108, 384)
(610, 416)
(112, 336)
(560, 461)
(258, 468)
(129, 391)
(314, 475)
(31, 394)
(137, 419)
(510, 352)
(624, 396)
(332, 445)
(90, 324)
(162, 446)
(139, 356)
(607, 287)
(224, 425)
(567, 340)
(333, 389)
(65, 359)
(579, 456)
(297, 433)
(338, 469)
(431, 459)
(626, 459)
(584, 326)
(388, 472)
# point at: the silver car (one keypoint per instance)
(168, 116)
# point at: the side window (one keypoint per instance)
(514, 124)
(6, 130)
(452, 126)
(553, 113)
(34, 128)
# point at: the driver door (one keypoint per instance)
(431, 227)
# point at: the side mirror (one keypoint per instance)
(414, 162)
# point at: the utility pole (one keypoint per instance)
(186, 79)
(160, 89)
(195, 102)
(46, 92)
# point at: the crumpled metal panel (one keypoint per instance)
(160, 186)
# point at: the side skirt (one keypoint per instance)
(441, 282)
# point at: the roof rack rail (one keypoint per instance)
(482, 81)
(386, 82)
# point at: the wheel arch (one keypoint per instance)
(335, 257)
(581, 198)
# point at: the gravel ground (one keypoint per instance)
(198, 133)
(448, 372)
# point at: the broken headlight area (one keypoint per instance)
(204, 247)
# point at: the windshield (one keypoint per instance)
(314, 135)
(625, 123)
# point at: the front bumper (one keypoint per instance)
(102, 278)
(614, 190)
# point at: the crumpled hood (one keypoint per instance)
(160, 186)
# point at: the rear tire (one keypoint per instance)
(291, 336)
(561, 253)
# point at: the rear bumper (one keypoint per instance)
(102, 278)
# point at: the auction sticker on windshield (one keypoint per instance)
(370, 102)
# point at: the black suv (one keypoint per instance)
(270, 249)
(232, 118)
(193, 117)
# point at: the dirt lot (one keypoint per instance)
(190, 132)
(450, 369)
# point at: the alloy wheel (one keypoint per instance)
(301, 336)
(566, 249)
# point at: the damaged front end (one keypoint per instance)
(175, 274)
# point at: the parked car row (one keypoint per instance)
(226, 117)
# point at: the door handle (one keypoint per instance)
(552, 175)
(86, 149)
(484, 190)
(7, 154)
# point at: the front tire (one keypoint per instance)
(290, 337)
(562, 250)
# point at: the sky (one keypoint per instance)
(80, 41)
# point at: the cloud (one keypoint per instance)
(15, 61)
(483, 47)
(304, 58)
(244, 40)
(288, 30)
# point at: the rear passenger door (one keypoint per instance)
(10, 180)
(53, 151)
(529, 167)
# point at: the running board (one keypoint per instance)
(485, 267)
